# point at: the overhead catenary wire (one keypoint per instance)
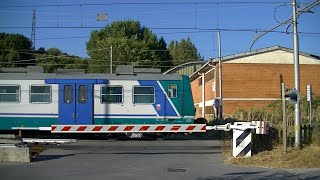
(198, 30)
(142, 3)
(95, 59)
(95, 65)
(164, 28)
(70, 56)
(305, 9)
(100, 60)
(35, 52)
(275, 10)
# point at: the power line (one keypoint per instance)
(305, 9)
(167, 28)
(313, 34)
(96, 59)
(143, 3)
(152, 66)
(97, 65)
(33, 52)
(70, 56)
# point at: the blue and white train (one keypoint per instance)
(37, 99)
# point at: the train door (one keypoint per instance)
(76, 103)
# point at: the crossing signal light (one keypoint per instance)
(293, 95)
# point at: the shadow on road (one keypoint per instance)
(49, 157)
(135, 148)
(155, 153)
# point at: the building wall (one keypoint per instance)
(249, 85)
(196, 87)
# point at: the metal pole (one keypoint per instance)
(110, 59)
(297, 126)
(309, 98)
(284, 117)
(220, 75)
(203, 96)
(310, 112)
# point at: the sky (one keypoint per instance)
(67, 24)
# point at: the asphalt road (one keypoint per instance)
(170, 159)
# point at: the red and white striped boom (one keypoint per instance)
(145, 128)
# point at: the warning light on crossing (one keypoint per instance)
(293, 95)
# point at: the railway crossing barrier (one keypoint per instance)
(242, 135)
(242, 131)
(145, 128)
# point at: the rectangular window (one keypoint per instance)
(82, 98)
(9, 94)
(143, 95)
(68, 94)
(40, 94)
(111, 94)
(200, 81)
(172, 91)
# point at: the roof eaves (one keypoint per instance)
(263, 50)
(249, 53)
(194, 75)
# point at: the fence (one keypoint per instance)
(308, 135)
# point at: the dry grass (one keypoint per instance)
(308, 157)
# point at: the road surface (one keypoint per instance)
(165, 160)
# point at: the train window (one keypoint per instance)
(40, 94)
(172, 91)
(82, 94)
(143, 95)
(9, 94)
(111, 94)
(68, 94)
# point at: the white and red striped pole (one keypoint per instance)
(146, 128)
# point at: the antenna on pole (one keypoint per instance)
(33, 32)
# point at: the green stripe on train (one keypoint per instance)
(6, 123)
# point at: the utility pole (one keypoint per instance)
(297, 126)
(203, 89)
(110, 59)
(284, 117)
(33, 31)
(297, 122)
(220, 76)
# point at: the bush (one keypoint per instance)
(273, 115)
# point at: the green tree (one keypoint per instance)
(165, 57)
(53, 58)
(15, 51)
(130, 41)
(183, 51)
